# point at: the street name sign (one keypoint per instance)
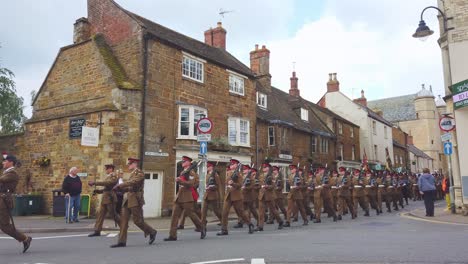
(446, 137)
(204, 137)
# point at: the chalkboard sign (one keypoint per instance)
(76, 126)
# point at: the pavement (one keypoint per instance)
(441, 215)
(49, 224)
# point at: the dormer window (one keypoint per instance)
(262, 100)
(304, 114)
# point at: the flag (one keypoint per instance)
(364, 164)
(388, 163)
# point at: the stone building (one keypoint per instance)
(144, 87)
(400, 150)
(375, 136)
(454, 47)
(417, 115)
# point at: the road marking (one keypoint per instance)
(258, 261)
(51, 237)
(218, 261)
(112, 234)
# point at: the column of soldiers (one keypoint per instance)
(337, 193)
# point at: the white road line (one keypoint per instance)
(50, 237)
(258, 261)
(112, 234)
(218, 261)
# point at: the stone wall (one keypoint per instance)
(168, 89)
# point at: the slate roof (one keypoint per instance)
(400, 108)
(215, 55)
(327, 111)
(413, 149)
(281, 110)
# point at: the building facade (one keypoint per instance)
(375, 134)
(144, 87)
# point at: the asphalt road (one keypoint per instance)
(389, 238)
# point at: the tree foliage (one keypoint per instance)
(11, 105)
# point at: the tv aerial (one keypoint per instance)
(222, 12)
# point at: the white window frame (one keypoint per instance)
(271, 136)
(401, 160)
(340, 128)
(236, 77)
(351, 132)
(353, 152)
(198, 62)
(341, 150)
(238, 132)
(262, 100)
(385, 132)
(192, 131)
(304, 114)
(314, 144)
(324, 145)
(374, 127)
(376, 152)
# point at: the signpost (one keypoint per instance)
(204, 127)
(460, 94)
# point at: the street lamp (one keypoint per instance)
(423, 31)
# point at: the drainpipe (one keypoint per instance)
(143, 98)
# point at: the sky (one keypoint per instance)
(367, 43)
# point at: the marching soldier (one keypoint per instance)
(132, 204)
(8, 182)
(310, 183)
(344, 194)
(212, 191)
(318, 202)
(185, 199)
(359, 197)
(266, 197)
(327, 197)
(395, 192)
(108, 202)
(247, 193)
(295, 196)
(306, 194)
(388, 192)
(380, 181)
(279, 186)
(370, 190)
(415, 188)
(233, 198)
(334, 189)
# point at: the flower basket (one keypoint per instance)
(42, 161)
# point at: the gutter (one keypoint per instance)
(143, 98)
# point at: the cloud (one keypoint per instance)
(368, 43)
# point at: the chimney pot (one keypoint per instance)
(220, 24)
(330, 76)
(256, 46)
(263, 47)
(333, 85)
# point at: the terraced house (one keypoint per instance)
(144, 87)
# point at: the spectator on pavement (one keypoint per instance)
(427, 188)
(71, 186)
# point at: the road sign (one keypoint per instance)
(448, 148)
(204, 125)
(203, 147)
(204, 137)
(156, 154)
(447, 123)
(446, 137)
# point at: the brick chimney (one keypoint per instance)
(410, 140)
(362, 100)
(82, 30)
(260, 65)
(216, 37)
(333, 85)
(294, 91)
